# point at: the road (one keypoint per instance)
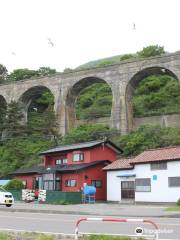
(65, 223)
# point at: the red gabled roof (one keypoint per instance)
(123, 163)
(161, 154)
(151, 155)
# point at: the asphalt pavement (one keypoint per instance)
(65, 224)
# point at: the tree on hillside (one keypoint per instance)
(150, 51)
(43, 121)
(67, 70)
(44, 71)
(89, 132)
(2, 119)
(25, 73)
(3, 73)
(13, 125)
(146, 137)
(20, 74)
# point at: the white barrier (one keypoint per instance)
(116, 220)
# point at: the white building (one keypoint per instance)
(152, 176)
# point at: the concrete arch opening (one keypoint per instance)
(73, 96)
(29, 100)
(133, 84)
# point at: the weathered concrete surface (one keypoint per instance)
(163, 120)
(122, 78)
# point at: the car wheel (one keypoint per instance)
(8, 205)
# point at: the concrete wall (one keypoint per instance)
(164, 120)
(160, 191)
(122, 78)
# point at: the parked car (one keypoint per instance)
(6, 198)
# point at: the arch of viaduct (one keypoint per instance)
(122, 78)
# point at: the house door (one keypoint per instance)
(127, 190)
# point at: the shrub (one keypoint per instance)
(14, 185)
(127, 56)
(150, 51)
(156, 95)
(178, 202)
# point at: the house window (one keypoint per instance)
(174, 181)
(70, 183)
(78, 157)
(143, 184)
(159, 166)
(58, 161)
(97, 183)
(61, 161)
(64, 161)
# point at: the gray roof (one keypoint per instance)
(57, 168)
(82, 145)
(34, 169)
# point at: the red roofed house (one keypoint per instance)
(67, 168)
(152, 176)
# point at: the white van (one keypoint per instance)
(6, 198)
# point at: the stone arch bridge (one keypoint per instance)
(122, 78)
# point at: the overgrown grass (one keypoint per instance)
(173, 209)
(103, 237)
(34, 236)
(27, 236)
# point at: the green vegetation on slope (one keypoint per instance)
(94, 101)
(149, 51)
(21, 143)
(24, 73)
(89, 132)
(22, 152)
(156, 95)
(146, 137)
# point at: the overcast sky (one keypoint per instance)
(67, 33)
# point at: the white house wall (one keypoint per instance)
(160, 191)
(114, 184)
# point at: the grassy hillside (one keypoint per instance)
(156, 95)
(149, 51)
(94, 101)
(96, 63)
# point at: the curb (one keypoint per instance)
(175, 215)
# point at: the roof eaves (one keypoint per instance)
(152, 161)
(114, 169)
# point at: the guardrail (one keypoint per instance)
(120, 220)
